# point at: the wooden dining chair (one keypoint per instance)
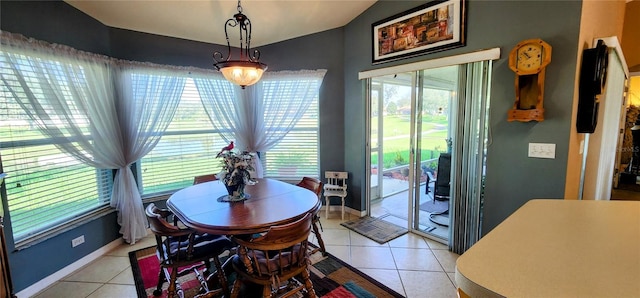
(275, 260)
(182, 250)
(315, 185)
(204, 178)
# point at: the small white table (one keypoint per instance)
(557, 248)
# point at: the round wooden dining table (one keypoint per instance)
(272, 202)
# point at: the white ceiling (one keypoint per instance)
(203, 20)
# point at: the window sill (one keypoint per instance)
(63, 227)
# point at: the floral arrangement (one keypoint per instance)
(236, 167)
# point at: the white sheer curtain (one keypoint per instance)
(259, 116)
(103, 115)
(149, 100)
(219, 100)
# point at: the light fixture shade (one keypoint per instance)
(242, 73)
(246, 71)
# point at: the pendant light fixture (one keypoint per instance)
(244, 70)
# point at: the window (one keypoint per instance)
(45, 187)
(187, 149)
(296, 155)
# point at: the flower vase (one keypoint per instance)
(236, 192)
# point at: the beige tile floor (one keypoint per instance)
(411, 265)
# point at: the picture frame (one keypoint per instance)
(434, 26)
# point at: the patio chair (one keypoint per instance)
(442, 186)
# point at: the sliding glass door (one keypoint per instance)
(428, 133)
(410, 129)
(435, 114)
(390, 137)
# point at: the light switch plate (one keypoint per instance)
(542, 150)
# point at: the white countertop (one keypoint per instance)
(557, 248)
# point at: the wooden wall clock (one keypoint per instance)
(529, 59)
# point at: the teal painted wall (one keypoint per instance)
(512, 178)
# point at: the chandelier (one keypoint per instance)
(245, 70)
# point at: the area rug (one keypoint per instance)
(331, 277)
(375, 229)
(435, 206)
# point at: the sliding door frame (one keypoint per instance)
(456, 209)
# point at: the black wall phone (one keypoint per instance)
(593, 77)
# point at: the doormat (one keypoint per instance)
(435, 206)
(375, 229)
(331, 278)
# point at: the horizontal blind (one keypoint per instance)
(294, 157)
(45, 186)
(187, 149)
(297, 154)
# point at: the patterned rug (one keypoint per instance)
(331, 277)
(375, 229)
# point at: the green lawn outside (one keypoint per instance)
(400, 125)
(396, 139)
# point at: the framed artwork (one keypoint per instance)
(435, 26)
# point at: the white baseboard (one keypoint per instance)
(338, 208)
(51, 279)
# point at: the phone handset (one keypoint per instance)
(601, 65)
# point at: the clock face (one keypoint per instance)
(529, 57)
